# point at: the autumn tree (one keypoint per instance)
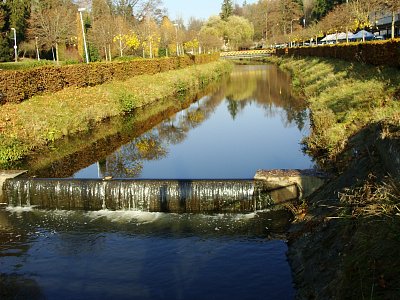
(210, 38)
(52, 21)
(128, 40)
(138, 9)
(149, 36)
(234, 32)
(391, 6)
(239, 32)
(168, 36)
(337, 20)
(103, 26)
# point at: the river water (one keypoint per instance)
(250, 121)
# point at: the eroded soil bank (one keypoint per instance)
(344, 243)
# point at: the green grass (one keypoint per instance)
(30, 64)
(47, 118)
(353, 105)
(343, 97)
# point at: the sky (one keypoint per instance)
(201, 9)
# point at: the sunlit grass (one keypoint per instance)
(44, 119)
(343, 97)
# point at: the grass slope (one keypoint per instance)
(345, 247)
(44, 119)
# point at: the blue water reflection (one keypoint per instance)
(251, 122)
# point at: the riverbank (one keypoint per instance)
(42, 120)
(345, 245)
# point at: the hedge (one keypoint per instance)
(377, 53)
(17, 86)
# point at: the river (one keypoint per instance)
(250, 121)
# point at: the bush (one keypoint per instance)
(11, 149)
(375, 53)
(127, 100)
(17, 86)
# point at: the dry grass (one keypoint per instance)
(373, 199)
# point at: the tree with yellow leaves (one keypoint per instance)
(168, 36)
(124, 41)
(190, 46)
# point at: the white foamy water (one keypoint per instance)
(125, 216)
(20, 209)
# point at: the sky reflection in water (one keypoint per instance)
(251, 122)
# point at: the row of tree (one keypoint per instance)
(111, 27)
(278, 21)
(142, 27)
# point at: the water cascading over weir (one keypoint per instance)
(267, 189)
(143, 195)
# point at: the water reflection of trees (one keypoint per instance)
(270, 88)
(267, 86)
(127, 160)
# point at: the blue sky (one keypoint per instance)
(201, 9)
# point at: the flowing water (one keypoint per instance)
(194, 233)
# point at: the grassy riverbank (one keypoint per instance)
(345, 247)
(45, 119)
(343, 97)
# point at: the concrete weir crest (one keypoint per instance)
(267, 189)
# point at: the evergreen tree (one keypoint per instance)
(226, 9)
(4, 29)
(19, 15)
(322, 7)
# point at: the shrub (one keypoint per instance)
(11, 149)
(127, 100)
(375, 53)
(17, 86)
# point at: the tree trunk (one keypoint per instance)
(57, 58)
(151, 50)
(109, 52)
(52, 52)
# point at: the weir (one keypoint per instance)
(205, 196)
(268, 188)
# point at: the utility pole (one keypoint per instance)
(82, 9)
(15, 44)
(37, 48)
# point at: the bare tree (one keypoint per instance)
(103, 27)
(390, 6)
(52, 21)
